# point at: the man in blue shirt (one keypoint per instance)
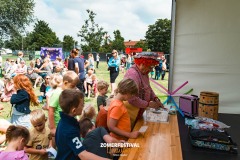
(80, 66)
(68, 129)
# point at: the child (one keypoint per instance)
(123, 64)
(21, 101)
(91, 62)
(58, 69)
(68, 129)
(164, 68)
(1, 87)
(97, 59)
(6, 64)
(158, 69)
(8, 89)
(118, 120)
(20, 57)
(152, 73)
(45, 87)
(94, 137)
(12, 68)
(34, 77)
(101, 120)
(51, 83)
(102, 87)
(40, 137)
(157, 72)
(89, 112)
(4, 124)
(94, 86)
(22, 68)
(88, 82)
(70, 80)
(17, 137)
(129, 61)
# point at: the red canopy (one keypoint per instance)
(131, 50)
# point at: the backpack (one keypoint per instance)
(20, 60)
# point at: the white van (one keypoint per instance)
(5, 51)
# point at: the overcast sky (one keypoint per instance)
(131, 17)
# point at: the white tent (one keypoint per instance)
(205, 49)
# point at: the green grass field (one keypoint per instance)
(102, 74)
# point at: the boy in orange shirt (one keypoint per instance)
(118, 120)
(101, 120)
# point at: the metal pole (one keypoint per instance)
(22, 43)
(170, 82)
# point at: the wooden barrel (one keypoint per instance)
(208, 105)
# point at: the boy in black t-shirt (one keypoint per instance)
(102, 87)
(94, 137)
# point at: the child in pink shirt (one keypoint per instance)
(17, 137)
(94, 86)
(8, 89)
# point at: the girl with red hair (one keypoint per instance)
(21, 100)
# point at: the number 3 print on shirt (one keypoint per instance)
(77, 142)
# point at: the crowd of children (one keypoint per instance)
(64, 132)
(71, 136)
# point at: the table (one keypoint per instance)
(194, 153)
(161, 141)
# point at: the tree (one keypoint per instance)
(106, 47)
(91, 34)
(142, 44)
(158, 36)
(42, 36)
(68, 43)
(15, 15)
(15, 42)
(118, 42)
(1, 42)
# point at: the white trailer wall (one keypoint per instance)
(206, 49)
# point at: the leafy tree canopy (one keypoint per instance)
(118, 42)
(15, 42)
(42, 36)
(107, 45)
(91, 34)
(142, 44)
(68, 43)
(15, 15)
(158, 35)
